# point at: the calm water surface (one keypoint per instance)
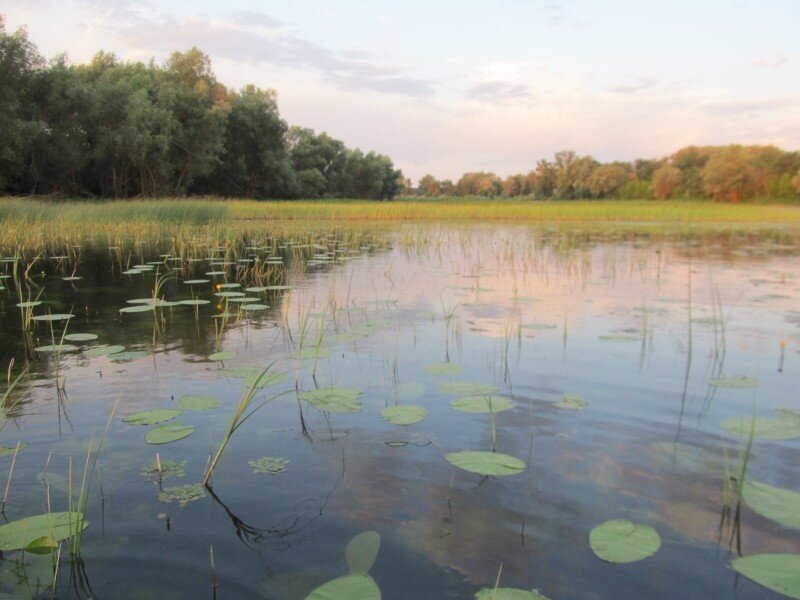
(634, 324)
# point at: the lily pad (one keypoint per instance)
(404, 415)
(443, 368)
(777, 572)
(308, 353)
(152, 417)
(7, 450)
(196, 281)
(191, 402)
(104, 350)
(270, 465)
(337, 400)
(482, 404)
(737, 381)
(54, 526)
(262, 380)
(29, 304)
(486, 463)
(194, 302)
(168, 432)
(254, 307)
(137, 308)
(224, 355)
(349, 587)
(508, 594)
(53, 317)
(780, 505)
(131, 355)
(56, 348)
(168, 468)
(361, 552)
(467, 388)
(572, 402)
(80, 337)
(621, 541)
(765, 428)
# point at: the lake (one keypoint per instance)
(483, 399)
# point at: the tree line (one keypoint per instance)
(721, 173)
(119, 129)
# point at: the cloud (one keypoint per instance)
(497, 91)
(637, 85)
(283, 50)
(774, 62)
(256, 19)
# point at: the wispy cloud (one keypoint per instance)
(230, 40)
(497, 91)
(637, 85)
(772, 62)
(256, 19)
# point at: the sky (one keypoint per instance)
(449, 86)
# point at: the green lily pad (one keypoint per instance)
(349, 587)
(194, 302)
(29, 304)
(131, 355)
(256, 289)
(254, 307)
(482, 404)
(182, 494)
(151, 417)
(780, 505)
(168, 432)
(308, 353)
(270, 465)
(7, 450)
(53, 317)
(80, 337)
(443, 368)
(486, 463)
(104, 350)
(168, 468)
(765, 428)
(224, 355)
(56, 348)
(137, 308)
(196, 281)
(737, 381)
(572, 402)
(337, 400)
(272, 288)
(191, 402)
(777, 572)
(55, 526)
(467, 388)
(508, 594)
(621, 541)
(404, 415)
(361, 552)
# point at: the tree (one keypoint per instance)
(606, 180)
(479, 183)
(665, 180)
(428, 186)
(727, 176)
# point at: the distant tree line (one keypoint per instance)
(721, 173)
(123, 129)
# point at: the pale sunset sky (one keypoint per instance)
(445, 86)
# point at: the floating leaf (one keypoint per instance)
(737, 381)
(254, 307)
(482, 404)
(361, 552)
(572, 402)
(6, 450)
(182, 494)
(262, 380)
(168, 432)
(137, 308)
(404, 415)
(621, 541)
(168, 468)
(765, 428)
(410, 390)
(151, 417)
(80, 337)
(194, 302)
(486, 463)
(29, 304)
(53, 317)
(56, 348)
(131, 355)
(191, 402)
(349, 587)
(780, 505)
(443, 368)
(508, 594)
(56, 526)
(224, 355)
(104, 350)
(466, 388)
(270, 465)
(196, 281)
(337, 400)
(777, 572)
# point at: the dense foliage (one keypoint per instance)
(121, 129)
(721, 173)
